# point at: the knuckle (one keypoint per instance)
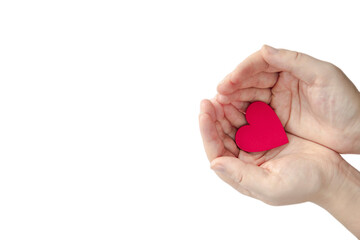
(329, 71)
(268, 96)
(297, 56)
(238, 178)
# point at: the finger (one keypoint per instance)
(231, 146)
(206, 107)
(241, 106)
(257, 180)
(302, 66)
(220, 116)
(234, 81)
(213, 145)
(247, 95)
(228, 142)
(235, 117)
(285, 97)
(232, 183)
(256, 158)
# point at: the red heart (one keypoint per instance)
(264, 131)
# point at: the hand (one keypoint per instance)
(296, 172)
(313, 99)
(293, 173)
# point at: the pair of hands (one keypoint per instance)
(319, 108)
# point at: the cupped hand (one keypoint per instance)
(296, 172)
(313, 99)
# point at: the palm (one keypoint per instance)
(295, 167)
(322, 107)
(315, 112)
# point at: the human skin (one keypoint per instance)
(314, 99)
(297, 172)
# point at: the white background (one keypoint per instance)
(99, 106)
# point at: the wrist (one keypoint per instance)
(357, 142)
(357, 136)
(357, 132)
(351, 136)
(341, 197)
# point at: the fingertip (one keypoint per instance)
(226, 85)
(206, 124)
(217, 166)
(222, 99)
(268, 49)
(206, 107)
(263, 48)
(207, 127)
(203, 104)
(221, 88)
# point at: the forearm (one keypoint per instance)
(342, 200)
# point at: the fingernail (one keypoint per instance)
(271, 50)
(217, 167)
(202, 105)
(222, 99)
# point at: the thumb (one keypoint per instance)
(254, 179)
(300, 65)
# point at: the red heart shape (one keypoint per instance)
(264, 131)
